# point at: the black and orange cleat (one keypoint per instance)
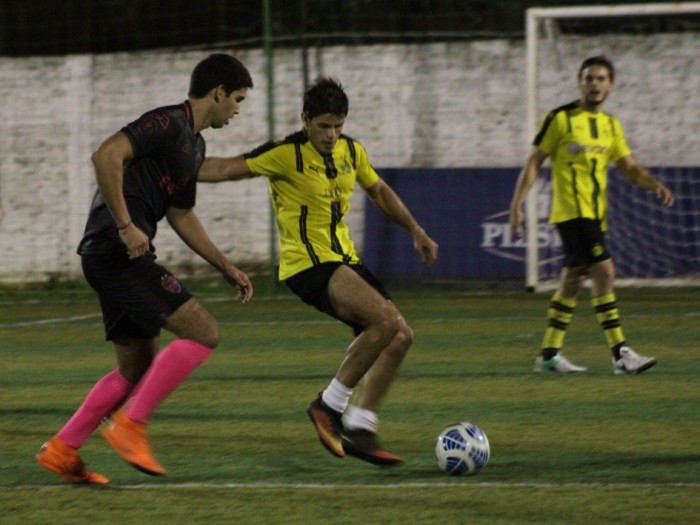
(328, 425)
(364, 445)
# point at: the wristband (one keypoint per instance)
(120, 228)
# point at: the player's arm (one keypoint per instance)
(219, 169)
(526, 179)
(640, 176)
(394, 208)
(108, 161)
(188, 227)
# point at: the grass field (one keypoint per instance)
(585, 449)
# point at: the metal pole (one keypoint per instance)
(270, 73)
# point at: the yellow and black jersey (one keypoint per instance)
(310, 195)
(581, 146)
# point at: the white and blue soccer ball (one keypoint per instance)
(462, 448)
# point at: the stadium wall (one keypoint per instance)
(440, 105)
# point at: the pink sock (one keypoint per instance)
(170, 368)
(107, 394)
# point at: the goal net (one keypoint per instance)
(656, 52)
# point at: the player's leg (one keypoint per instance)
(559, 316)
(577, 244)
(60, 454)
(339, 291)
(604, 302)
(198, 335)
(150, 298)
(367, 306)
(381, 375)
(356, 302)
(360, 419)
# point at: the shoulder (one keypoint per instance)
(172, 112)
(278, 146)
(555, 119)
(165, 118)
(354, 147)
(564, 111)
(612, 118)
(615, 124)
(351, 142)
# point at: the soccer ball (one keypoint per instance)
(462, 448)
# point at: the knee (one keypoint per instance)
(210, 337)
(134, 370)
(604, 274)
(388, 321)
(402, 336)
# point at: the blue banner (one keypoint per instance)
(465, 210)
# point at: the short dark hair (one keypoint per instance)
(325, 95)
(598, 60)
(219, 69)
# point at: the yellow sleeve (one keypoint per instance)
(619, 148)
(269, 160)
(366, 176)
(548, 136)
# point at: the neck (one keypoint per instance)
(200, 114)
(593, 108)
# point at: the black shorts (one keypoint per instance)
(584, 242)
(311, 286)
(136, 295)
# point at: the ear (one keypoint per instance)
(219, 93)
(305, 119)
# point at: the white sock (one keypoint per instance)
(356, 418)
(336, 396)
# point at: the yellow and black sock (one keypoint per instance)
(559, 314)
(608, 316)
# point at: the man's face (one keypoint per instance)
(228, 106)
(595, 85)
(323, 130)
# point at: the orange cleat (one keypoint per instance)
(129, 438)
(65, 461)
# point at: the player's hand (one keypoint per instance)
(426, 247)
(516, 221)
(666, 196)
(135, 240)
(240, 281)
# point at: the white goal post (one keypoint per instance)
(542, 26)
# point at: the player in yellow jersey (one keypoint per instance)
(581, 141)
(312, 174)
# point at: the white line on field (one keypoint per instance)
(222, 299)
(370, 486)
(53, 320)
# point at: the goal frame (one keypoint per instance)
(533, 17)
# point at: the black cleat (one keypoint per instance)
(364, 444)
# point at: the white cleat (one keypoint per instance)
(631, 362)
(558, 364)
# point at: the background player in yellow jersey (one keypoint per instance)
(312, 174)
(582, 140)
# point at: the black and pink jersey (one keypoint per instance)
(162, 174)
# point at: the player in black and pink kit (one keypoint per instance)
(145, 172)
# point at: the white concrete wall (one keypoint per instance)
(432, 105)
